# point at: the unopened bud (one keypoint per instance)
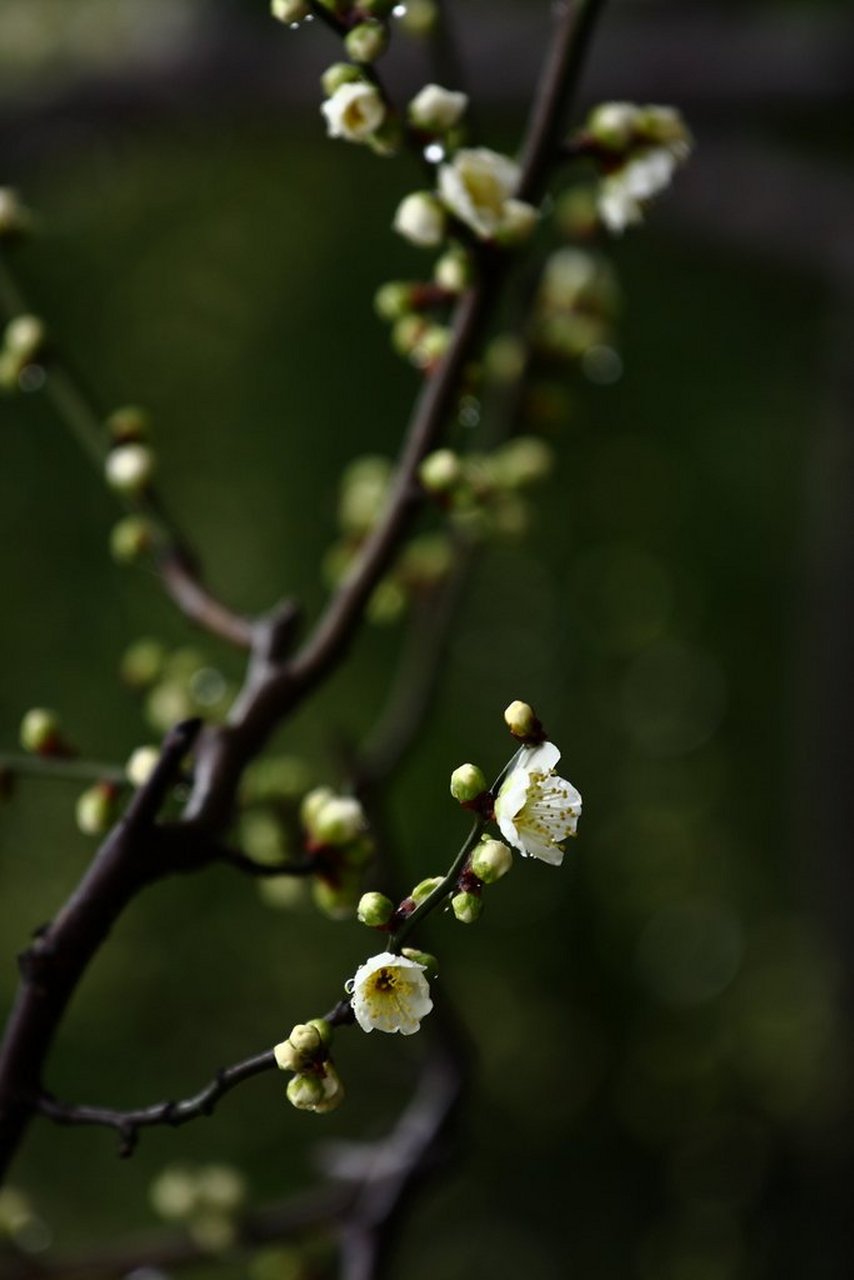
(338, 821)
(435, 109)
(305, 1092)
(333, 1090)
(41, 733)
(521, 720)
(289, 10)
(467, 783)
(129, 468)
(406, 334)
(306, 1040)
(424, 888)
(421, 219)
(440, 471)
(420, 17)
(141, 765)
(96, 809)
(24, 337)
(128, 425)
(323, 1029)
(142, 663)
(431, 346)
(336, 75)
(374, 909)
(367, 41)
(221, 1187)
(287, 1058)
(524, 461)
(393, 300)
(453, 271)
(466, 907)
(430, 963)
(311, 805)
(132, 539)
(173, 1193)
(491, 860)
(612, 124)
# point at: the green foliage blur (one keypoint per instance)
(662, 1061)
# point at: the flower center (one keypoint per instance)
(385, 980)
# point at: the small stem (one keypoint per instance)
(62, 769)
(442, 890)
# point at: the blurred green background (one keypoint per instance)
(663, 1088)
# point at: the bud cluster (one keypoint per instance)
(483, 493)
(315, 1085)
(340, 846)
(489, 861)
(207, 1198)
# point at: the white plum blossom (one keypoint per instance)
(391, 993)
(535, 809)
(479, 186)
(355, 111)
(623, 193)
(421, 219)
(436, 108)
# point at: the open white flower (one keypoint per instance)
(479, 187)
(355, 111)
(390, 993)
(623, 193)
(535, 809)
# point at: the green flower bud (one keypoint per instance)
(129, 468)
(394, 299)
(323, 1028)
(24, 337)
(311, 805)
(521, 720)
(453, 271)
(261, 836)
(467, 783)
(491, 860)
(663, 126)
(421, 219)
(305, 1092)
(221, 1187)
(132, 539)
(374, 909)
(333, 1090)
(420, 18)
(14, 216)
(173, 1193)
(440, 471)
(467, 907)
(407, 333)
(96, 809)
(128, 425)
(141, 765)
(367, 41)
(40, 732)
(287, 1058)
(364, 485)
(424, 888)
(430, 963)
(289, 10)
(142, 663)
(524, 461)
(336, 75)
(576, 214)
(431, 346)
(166, 704)
(306, 1040)
(338, 821)
(387, 604)
(612, 124)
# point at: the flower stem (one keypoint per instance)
(442, 891)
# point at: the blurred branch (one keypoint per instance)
(63, 769)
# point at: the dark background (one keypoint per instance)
(663, 1025)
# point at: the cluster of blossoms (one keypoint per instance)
(207, 1198)
(576, 304)
(535, 811)
(637, 149)
(174, 684)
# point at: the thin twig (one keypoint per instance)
(63, 769)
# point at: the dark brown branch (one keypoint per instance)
(186, 589)
(52, 966)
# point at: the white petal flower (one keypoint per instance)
(390, 993)
(535, 809)
(355, 111)
(436, 108)
(479, 186)
(623, 192)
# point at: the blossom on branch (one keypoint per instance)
(479, 187)
(535, 809)
(354, 112)
(391, 993)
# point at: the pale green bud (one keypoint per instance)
(336, 75)
(421, 219)
(173, 1193)
(129, 468)
(430, 963)
(128, 425)
(305, 1092)
(453, 271)
(14, 216)
(289, 10)
(521, 720)
(374, 909)
(440, 471)
(40, 732)
(340, 820)
(524, 461)
(420, 17)
(435, 109)
(367, 41)
(323, 1028)
(491, 860)
(424, 888)
(142, 663)
(387, 604)
(141, 765)
(311, 805)
(221, 1187)
(431, 346)
(166, 704)
(287, 1058)
(612, 124)
(96, 809)
(393, 300)
(407, 333)
(467, 783)
(333, 1090)
(261, 836)
(364, 485)
(24, 337)
(466, 907)
(307, 1040)
(132, 539)
(664, 126)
